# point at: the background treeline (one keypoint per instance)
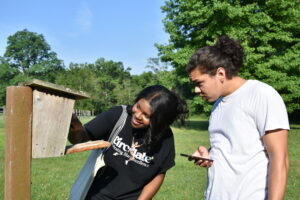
(269, 31)
(109, 83)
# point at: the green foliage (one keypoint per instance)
(6, 74)
(268, 30)
(80, 77)
(145, 79)
(125, 92)
(32, 56)
(27, 56)
(107, 82)
(48, 69)
(110, 74)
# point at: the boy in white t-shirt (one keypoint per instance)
(248, 127)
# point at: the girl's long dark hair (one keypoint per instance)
(166, 107)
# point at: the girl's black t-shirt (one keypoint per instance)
(124, 177)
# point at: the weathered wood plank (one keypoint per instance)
(51, 121)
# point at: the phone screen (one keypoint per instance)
(195, 157)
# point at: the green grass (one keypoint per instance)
(52, 178)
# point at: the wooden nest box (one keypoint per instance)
(51, 116)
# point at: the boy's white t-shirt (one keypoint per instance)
(236, 126)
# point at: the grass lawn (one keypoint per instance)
(52, 178)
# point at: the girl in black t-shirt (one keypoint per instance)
(142, 152)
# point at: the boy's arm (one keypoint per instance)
(276, 143)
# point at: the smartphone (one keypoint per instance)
(196, 158)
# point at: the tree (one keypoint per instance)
(6, 75)
(109, 75)
(107, 82)
(80, 77)
(268, 30)
(27, 56)
(126, 92)
(29, 53)
(161, 73)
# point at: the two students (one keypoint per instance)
(248, 131)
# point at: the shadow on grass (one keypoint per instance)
(193, 125)
(295, 126)
(203, 125)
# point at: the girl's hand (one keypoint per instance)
(75, 125)
(77, 133)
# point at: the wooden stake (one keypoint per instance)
(18, 143)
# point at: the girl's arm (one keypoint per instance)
(152, 187)
(77, 133)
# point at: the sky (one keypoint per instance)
(82, 31)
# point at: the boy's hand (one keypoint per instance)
(202, 152)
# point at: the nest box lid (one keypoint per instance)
(55, 89)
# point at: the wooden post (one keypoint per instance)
(18, 143)
(38, 116)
